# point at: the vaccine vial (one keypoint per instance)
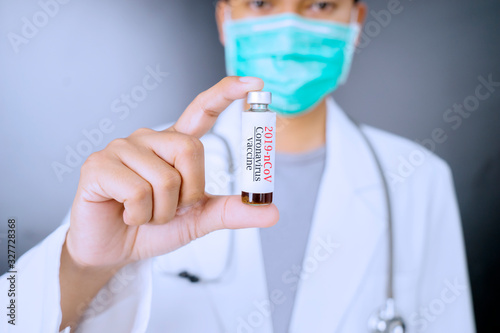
(258, 150)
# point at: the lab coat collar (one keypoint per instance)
(346, 228)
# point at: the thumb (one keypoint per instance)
(228, 212)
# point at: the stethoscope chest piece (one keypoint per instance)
(385, 320)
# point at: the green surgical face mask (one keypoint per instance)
(300, 60)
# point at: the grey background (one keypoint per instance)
(426, 59)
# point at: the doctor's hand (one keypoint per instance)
(143, 196)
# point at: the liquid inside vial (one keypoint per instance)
(256, 198)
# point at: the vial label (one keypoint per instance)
(258, 143)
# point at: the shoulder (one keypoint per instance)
(395, 148)
(405, 160)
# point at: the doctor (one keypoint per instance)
(158, 240)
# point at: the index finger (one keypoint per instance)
(201, 114)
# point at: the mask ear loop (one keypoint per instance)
(354, 23)
(351, 47)
(354, 16)
(227, 13)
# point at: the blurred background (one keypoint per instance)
(65, 72)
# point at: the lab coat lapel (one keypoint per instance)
(347, 226)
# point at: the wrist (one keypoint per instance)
(73, 261)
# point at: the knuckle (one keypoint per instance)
(170, 181)
(203, 102)
(191, 145)
(142, 132)
(141, 193)
(201, 96)
(118, 144)
(92, 161)
(209, 111)
(228, 79)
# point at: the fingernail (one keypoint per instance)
(249, 79)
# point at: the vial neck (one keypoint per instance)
(258, 107)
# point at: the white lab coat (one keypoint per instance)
(344, 278)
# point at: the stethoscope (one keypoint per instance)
(383, 320)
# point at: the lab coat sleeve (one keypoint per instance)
(36, 288)
(444, 296)
(122, 305)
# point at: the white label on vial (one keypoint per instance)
(258, 149)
